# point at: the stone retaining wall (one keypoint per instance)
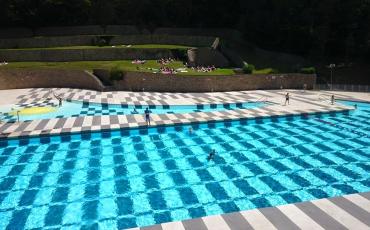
(101, 54)
(22, 32)
(139, 81)
(87, 40)
(225, 33)
(26, 78)
(136, 81)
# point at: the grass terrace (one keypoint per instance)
(124, 65)
(143, 46)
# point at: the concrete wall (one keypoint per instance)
(26, 78)
(87, 40)
(69, 30)
(139, 81)
(101, 54)
(207, 57)
(136, 81)
(16, 32)
(230, 34)
(22, 32)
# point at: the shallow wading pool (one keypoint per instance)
(80, 109)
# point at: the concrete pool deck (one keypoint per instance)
(345, 212)
(308, 102)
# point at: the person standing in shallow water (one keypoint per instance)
(287, 97)
(147, 116)
(332, 99)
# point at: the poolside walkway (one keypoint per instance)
(346, 212)
(308, 102)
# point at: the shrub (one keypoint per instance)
(248, 68)
(103, 40)
(116, 74)
(274, 71)
(181, 54)
(308, 70)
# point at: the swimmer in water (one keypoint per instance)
(211, 155)
(190, 130)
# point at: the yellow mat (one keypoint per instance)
(34, 111)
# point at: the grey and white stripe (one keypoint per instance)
(346, 212)
(302, 104)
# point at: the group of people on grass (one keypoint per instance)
(204, 69)
(167, 70)
(165, 61)
(138, 62)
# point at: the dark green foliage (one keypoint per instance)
(313, 28)
(308, 70)
(116, 74)
(274, 71)
(102, 40)
(248, 68)
(180, 53)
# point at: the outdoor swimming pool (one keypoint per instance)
(124, 179)
(79, 109)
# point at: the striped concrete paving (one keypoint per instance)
(345, 212)
(301, 103)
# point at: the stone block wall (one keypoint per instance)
(136, 81)
(47, 78)
(206, 57)
(87, 40)
(101, 54)
(69, 30)
(139, 81)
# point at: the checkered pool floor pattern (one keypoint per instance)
(114, 182)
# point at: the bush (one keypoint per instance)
(116, 74)
(308, 70)
(102, 40)
(181, 54)
(274, 71)
(248, 68)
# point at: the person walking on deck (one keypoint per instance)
(287, 98)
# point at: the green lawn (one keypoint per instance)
(144, 46)
(125, 65)
(264, 71)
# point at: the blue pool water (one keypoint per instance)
(129, 178)
(78, 109)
